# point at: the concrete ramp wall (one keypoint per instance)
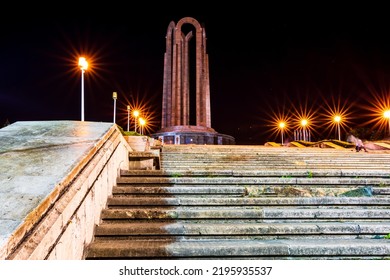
(55, 177)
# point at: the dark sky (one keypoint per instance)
(262, 65)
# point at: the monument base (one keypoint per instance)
(192, 134)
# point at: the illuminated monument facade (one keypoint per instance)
(176, 127)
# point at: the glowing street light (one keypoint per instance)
(128, 117)
(83, 64)
(337, 119)
(386, 114)
(281, 126)
(304, 123)
(114, 96)
(142, 123)
(135, 114)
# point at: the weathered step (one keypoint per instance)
(247, 190)
(256, 180)
(142, 172)
(178, 190)
(258, 172)
(245, 230)
(256, 249)
(245, 212)
(245, 201)
(264, 164)
(267, 160)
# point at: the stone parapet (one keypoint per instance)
(55, 179)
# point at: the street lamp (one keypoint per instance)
(142, 123)
(83, 64)
(304, 123)
(281, 126)
(386, 114)
(135, 114)
(114, 96)
(337, 119)
(128, 117)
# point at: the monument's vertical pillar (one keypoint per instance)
(199, 66)
(206, 82)
(167, 83)
(186, 81)
(178, 78)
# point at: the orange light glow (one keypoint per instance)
(386, 114)
(83, 64)
(337, 115)
(337, 118)
(140, 108)
(378, 109)
(142, 123)
(304, 122)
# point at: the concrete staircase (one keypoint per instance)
(249, 202)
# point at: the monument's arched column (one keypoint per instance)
(186, 81)
(167, 83)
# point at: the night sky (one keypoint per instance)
(262, 67)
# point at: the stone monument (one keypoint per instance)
(175, 123)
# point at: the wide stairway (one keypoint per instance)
(249, 202)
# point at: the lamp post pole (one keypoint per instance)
(128, 117)
(304, 124)
(83, 64)
(135, 114)
(142, 123)
(281, 126)
(114, 96)
(337, 119)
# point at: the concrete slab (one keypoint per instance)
(35, 157)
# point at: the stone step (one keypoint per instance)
(160, 190)
(245, 212)
(247, 201)
(260, 166)
(237, 248)
(280, 156)
(272, 152)
(246, 230)
(241, 191)
(347, 158)
(254, 165)
(296, 172)
(312, 181)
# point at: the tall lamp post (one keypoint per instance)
(337, 119)
(135, 114)
(304, 124)
(142, 123)
(128, 117)
(386, 114)
(83, 64)
(281, 126)
(114, 96)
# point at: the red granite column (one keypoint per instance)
(167, 83)
(186, 81)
